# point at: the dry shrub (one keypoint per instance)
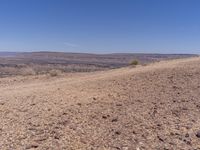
(134, 63)
(27, 71)
(54, 72)
(9, 71)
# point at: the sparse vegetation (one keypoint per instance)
(54, 73)
(134, 63)
(38, 63)
(28, 71)
(99, 100)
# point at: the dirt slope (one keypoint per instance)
(151, 107)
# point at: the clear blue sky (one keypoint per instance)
(100, 26)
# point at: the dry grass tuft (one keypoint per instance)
(54, 73)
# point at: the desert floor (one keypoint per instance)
(147, 107)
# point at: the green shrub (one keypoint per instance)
(134, 63)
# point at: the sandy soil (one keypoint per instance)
(148, 107)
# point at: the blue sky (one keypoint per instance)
(100, 26)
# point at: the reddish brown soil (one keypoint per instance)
(150, 107)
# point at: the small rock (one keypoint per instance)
(57, 136)
(159, 125)
(188, 143)
(2, 103)
(187, 135)
(31, 146)
(117, 132)
(118, 104)
(198, 134)
(114, 120)
(160, 138)
(79, 104)
(104, 117)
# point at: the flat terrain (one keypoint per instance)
(12, 64)
(147, 107)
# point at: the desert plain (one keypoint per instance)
(156, 106)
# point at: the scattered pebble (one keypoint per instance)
(198, 134)
(117, 132)
(2, 103)
(114, 120)
(31, 146)
(104, 117)
(187, 135)
(160, 138)
(118, 104)
(79, 104)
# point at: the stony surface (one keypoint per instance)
(151, 107)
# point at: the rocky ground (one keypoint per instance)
(147, 107)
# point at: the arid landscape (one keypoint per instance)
(155, 106)
(40, 63)
(99, 75)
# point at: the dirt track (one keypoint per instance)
(151, 107)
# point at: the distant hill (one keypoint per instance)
(8, 54)
(116, 59)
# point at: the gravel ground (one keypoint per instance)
(148, 107)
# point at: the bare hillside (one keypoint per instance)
(147, 107)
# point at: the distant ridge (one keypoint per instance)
(8, 54)
(5, 53)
